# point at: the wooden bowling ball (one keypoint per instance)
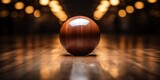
(79, 35)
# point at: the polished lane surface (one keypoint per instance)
(115, 58)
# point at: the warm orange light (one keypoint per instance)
(122, 13)
(129, 9)
(139, 5)
(6, 1)
(61, 15)
(63, 18)
(44, 2)
(114, 2)
(98, 15)
(19, 5)
(152, 1)
(29, 9)
(105, 3)
(4, 13)
(53, 3)
(102, 8)
(37, 13)
(56, 8)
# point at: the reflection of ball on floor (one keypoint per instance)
(79, 35)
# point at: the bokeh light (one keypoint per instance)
(37, 13)
(19, 5)
(6, 1)
(114, 2)
(44, 2)
(4, 13)
(61, 15)
(52, 3)
(55, 5)
(57, 10)
(152, 1)
(122, 13)
(101, 9)
(130, 9)
(139, 5)
(105, 3)
(98, 15)
(29, 9)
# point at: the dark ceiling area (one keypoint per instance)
(47, 16)
(80, 7)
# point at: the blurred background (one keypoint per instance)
(129, 47)
(23, 17)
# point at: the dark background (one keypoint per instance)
(129, 48)
(144, 21)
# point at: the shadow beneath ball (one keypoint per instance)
(91, 54)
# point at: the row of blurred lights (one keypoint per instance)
(19, 6)
(54, 5)
(130, 9)
(102, 8)
(105, 4)
(56, 8)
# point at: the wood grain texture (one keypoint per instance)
(117, 58)
(79, 35)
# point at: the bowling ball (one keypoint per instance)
(79, 35)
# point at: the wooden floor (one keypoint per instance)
(115, 58)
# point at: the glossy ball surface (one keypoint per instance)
(79, 35)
